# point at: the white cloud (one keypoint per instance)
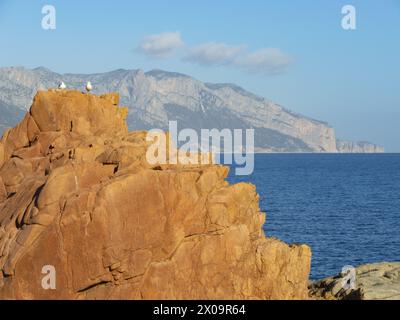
(160, 45)
(267, 60)
(213, 54)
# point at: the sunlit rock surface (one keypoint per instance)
(77, 193)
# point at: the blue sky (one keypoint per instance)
(293, 52)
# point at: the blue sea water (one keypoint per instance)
(346, 207)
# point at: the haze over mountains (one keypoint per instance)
(155, 97)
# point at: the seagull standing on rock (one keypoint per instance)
(62, 86)
(89, 86)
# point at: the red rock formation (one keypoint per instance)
(77, 193)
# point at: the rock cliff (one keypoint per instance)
(358, 147)
(156, 97)
(77, 194)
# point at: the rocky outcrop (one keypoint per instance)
(156, 97)
(77, 193)
(358, 147)
(377, 281)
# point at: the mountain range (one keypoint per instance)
(157, 96)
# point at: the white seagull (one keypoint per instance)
(89, 86)
(62, 85)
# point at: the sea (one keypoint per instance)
(346, 207)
